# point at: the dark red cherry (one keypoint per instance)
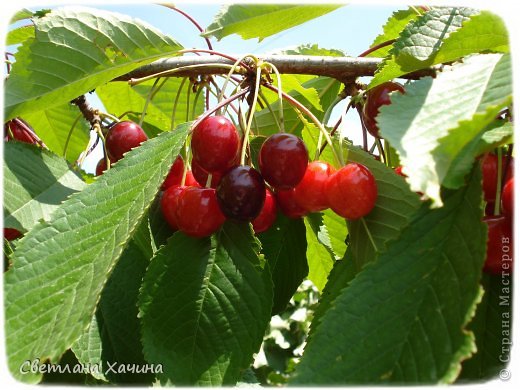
(283, 160)
(352, 191)
(101, 167)
(285, 200)
(499, 254)
(241, 193)
(489, 174)
(198, 213)
(11, 234)
(267, 216)
(201, 175)
(311, 192)
(20, 130)
(375, 98)
(122, 137)
(215, 144)
(175, 175)
(508, 198)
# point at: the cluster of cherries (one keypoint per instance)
(218, 187)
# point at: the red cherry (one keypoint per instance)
(11, 234)
(175, 175)
(286, 202)
(399, 171)
(489, 174)
(352, 191)
(201, 175)
(499, 254)
(122, 137)
(375, 98)
(267, 216)
(215, 143)
(169, 204)
(101, 167)
(311, 192)
(241, 193)
(198, 212)
(283, 160)
(21, 131)
(508, 197)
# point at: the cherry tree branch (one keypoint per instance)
(341, 68)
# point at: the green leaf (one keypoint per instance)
(497, 133)
(391, 30)
(204, 306)
(74, 51)
(319, 250)
(284, 247)
(292, 83)
(492, 326)
(396, 321)
(441, 36)
(337, 230)
(61, 266)
(19, 35)
(22, 14)
(35, 183)
(429, 133)
(119, 98)
(114, 333)
(262, 20)
(53, 126)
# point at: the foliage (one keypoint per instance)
(395, 297)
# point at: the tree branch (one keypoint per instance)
(341, 68)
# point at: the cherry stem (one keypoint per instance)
(387, 153)
(176, 102)
(208, 180)
(377, 47)
(109, 116)
(195, 101)
(233, 69)
(306, 111)
(97, 129)
(245, 143)
(220, 105)
(192, 20)
(326, 118)
(280, 99)
(216, 53)
(498, 191)
(69, 135)
(381, 150)
(149, 97)
(268, 105)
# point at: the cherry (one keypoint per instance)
(215, 143)
(122, 137)
(283, 160)
(101, 167)
(508, 197)
(352, 191)
(169, 204)
(311, 192)
(21, 131)
(241, 193)
(287, 203)
(499, 244)
(198, 213)
(489, 174)
(175, 175)
(267, 216)
(11, 234)
(201, 175)
(375, 98)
